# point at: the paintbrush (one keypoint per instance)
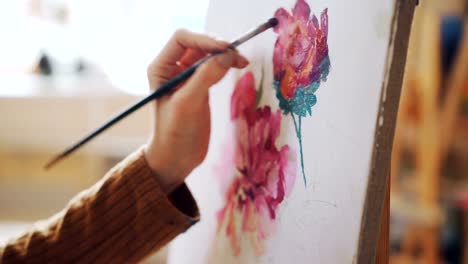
(161, 91)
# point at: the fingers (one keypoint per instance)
(159, 73)
(210, 73)
(183, 40)
(190, 57)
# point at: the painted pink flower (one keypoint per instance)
(264, 173)
(301, 52)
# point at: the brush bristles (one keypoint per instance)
(273, 22)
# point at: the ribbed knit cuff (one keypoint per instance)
(181, 206)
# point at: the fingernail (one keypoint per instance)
(226, 60)
(243, 61)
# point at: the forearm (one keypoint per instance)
(122, 218)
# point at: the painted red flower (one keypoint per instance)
(301, 52)
(244, 96)
(264, 173)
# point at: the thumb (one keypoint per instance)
(212, 71)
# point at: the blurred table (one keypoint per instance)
(39, 117)
(50, 113)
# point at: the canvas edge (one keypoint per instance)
(384, 132)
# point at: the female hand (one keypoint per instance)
(181, 133)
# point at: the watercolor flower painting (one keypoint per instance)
(264, 172)
(300, 62)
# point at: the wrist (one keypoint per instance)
(168, 176)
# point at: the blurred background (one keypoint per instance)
(66, 65)
(429, 173)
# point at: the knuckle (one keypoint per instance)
(181, 32)
(221, 65)
(149, 69)
(152, 67)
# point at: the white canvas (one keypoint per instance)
(320, 222)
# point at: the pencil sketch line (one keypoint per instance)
(324, 202)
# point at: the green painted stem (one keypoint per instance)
(299, 137)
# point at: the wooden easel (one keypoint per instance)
(383, 249)
(375, 220)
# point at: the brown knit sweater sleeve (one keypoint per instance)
(121, 219)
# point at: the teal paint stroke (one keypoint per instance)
(300, 105)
